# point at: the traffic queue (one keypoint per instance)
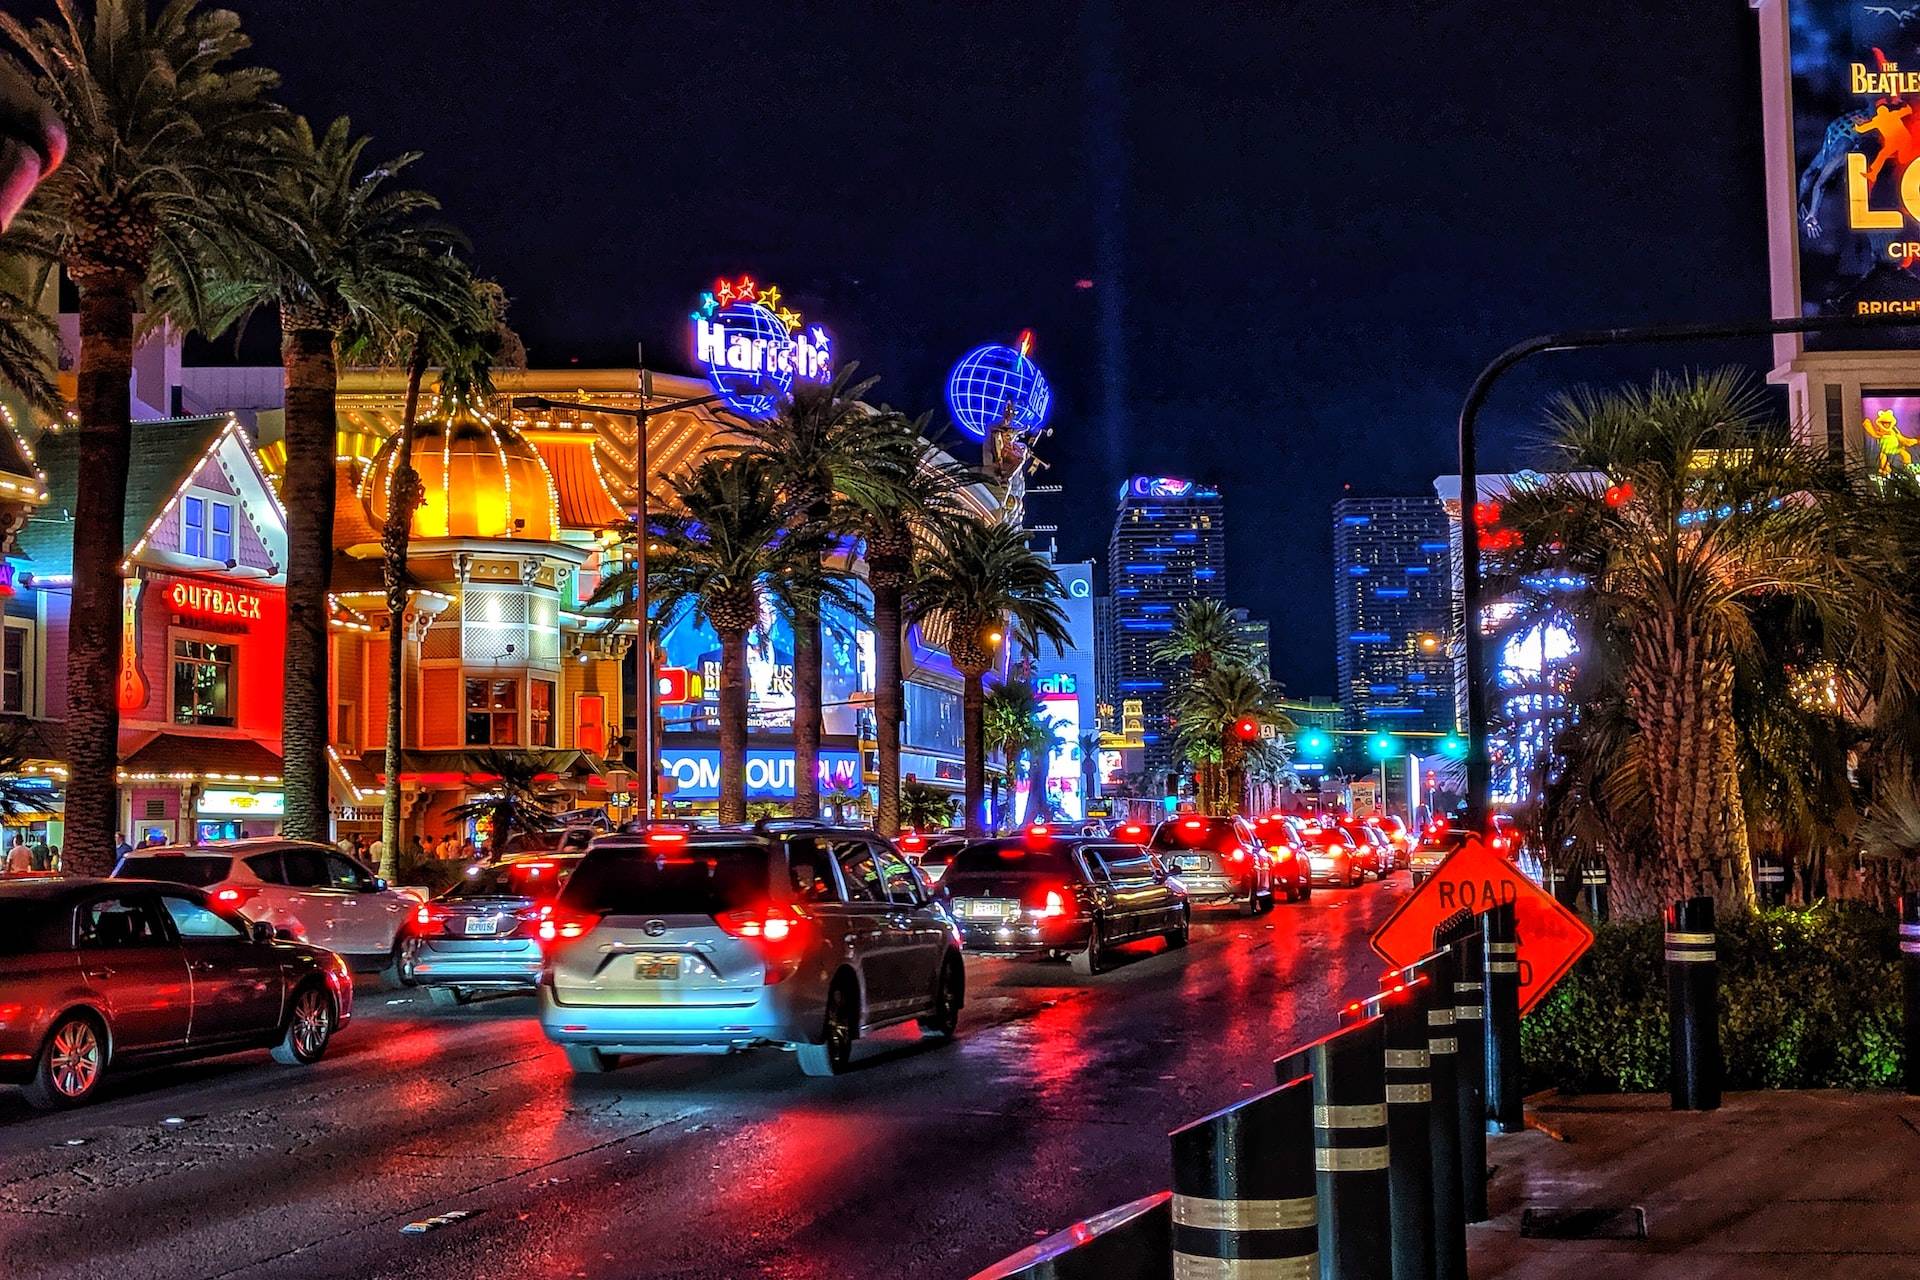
(668, 938)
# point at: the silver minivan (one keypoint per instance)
(719, 940)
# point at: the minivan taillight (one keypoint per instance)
(780, 931)
(564, 926)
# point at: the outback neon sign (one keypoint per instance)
(214, 602)
(754, 346)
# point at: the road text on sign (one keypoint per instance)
(1475, 879)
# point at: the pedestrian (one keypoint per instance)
(467, 851)
(416, 851)
(446, 849)
(19, 859)
(120, 846)
(38, 849)
(53, 857)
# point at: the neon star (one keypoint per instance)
(820, 338)
(723, 290)
(770, 297)
(745, 290)
(791, 319)
(708, 303)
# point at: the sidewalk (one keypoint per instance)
(1810, 1185)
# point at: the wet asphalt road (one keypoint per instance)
(1053, 1103)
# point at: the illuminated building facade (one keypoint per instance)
(1393, 613)
(1169, 546)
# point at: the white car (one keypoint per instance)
(315, 893)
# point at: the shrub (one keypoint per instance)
(1809, 998)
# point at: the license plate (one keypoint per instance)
(483, 924)
(985, 911)
(1190, 863)
(656, 968)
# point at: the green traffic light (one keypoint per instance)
(1315, 744)
(1454, 747)
(1383, 746)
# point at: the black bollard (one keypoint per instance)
(1127, 1243)
(1461, 933)
(1502, 1001)
(1243, 1188)
(1693, 1006)
(1350, 1147)
(1910, 982)
(1403, 1011)
(1593, 878)
(1770, 882)
(1443, 1118)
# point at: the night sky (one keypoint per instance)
(1305, 226)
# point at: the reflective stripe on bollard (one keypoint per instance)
(1244, 1199)
(1350, 1147)
(1693, 1006)
(1502, 1002)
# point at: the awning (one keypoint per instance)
(182, 757)
(439, 770)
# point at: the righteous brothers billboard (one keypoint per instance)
(1856, 134)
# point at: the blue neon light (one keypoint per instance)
(1416, 569)
(1434, 546)
(1186, 537)
(1391, 593)
(1143, 684)
(1126, 591)
(1396, 711)
(1358, 571)
(1383, 688)
(1416, 677)
(1369, 637)
(1204, 573)
(1143, 624)
(1156, 608)
(997, 385)
(1145, 568)
(1356, 520)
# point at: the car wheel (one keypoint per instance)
(309, 1028)
(589, 1061)
(842, 1022)
(399, 970)
(1306, 892)
(449, 997)
(1356, 875)
(71, 1063)
(1178, 935)
(949, 993)
(1091, 958)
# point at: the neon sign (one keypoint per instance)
(1061, 683)
(1159, 487)
(214, 602)
(997, 387)
(754, 346)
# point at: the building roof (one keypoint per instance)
(192, 755)
(351, 527)
(164, 451)
(585, 500)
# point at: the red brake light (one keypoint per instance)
(229, 897)
(1192, 824)
(912, 841)
(562, 926)
(1053, 903)
(777, 927)
(666, 836)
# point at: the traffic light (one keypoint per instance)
(1453, 747)
(1315, 744)
(1246, 728)
(1383, 746)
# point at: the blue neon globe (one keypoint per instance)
(748, 392)
(995, 384)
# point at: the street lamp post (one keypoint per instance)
(1479, 767)
(647, 769)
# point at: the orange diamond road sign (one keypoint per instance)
(1475, 878)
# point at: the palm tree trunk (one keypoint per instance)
(888, 699)
(308, 490)
(806, 712)
(1680, 690)
(733, 726)
(393, 546)
(973, 714)
(93, 644)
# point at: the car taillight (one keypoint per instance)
(563, 926)
(1237, 855)
(1050, 905)
(231, 898)
(779, 930)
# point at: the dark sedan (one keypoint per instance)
(1038, 893)
(101, 974)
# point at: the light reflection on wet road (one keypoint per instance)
(1053, 1103)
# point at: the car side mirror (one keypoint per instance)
(379, 884)
(261, 932)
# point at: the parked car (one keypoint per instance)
(1434, 846)
(1332, 855)
(1218, 859)
(787, 933)
(483, 933)
(1043, 894)
(104, 974)
(1376, 859)
(315, 893)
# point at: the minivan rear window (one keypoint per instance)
(177, 868)
(694, 880)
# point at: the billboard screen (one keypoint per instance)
(1891, 422)
(1856, 84)
(846, 662)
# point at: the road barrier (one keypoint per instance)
(1693, 1006)
(1367, 1160)
(1499, 937)
(1244, 1195)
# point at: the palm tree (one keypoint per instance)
(927, 487)
(983, 579)
(338, 251)
(924, 807)
(26, 333)
(832, 456)
(1209, 707)
(512, 802)
(1008, 713)
(726, 554)
(1204, 636)
(163, 131)
(1708, 518)
(463, 330)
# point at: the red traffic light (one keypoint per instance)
(1246, 728)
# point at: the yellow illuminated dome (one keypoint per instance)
(480, 480)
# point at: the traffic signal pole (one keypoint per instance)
(1479, 766)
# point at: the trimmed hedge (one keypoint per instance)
(1809, 999)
